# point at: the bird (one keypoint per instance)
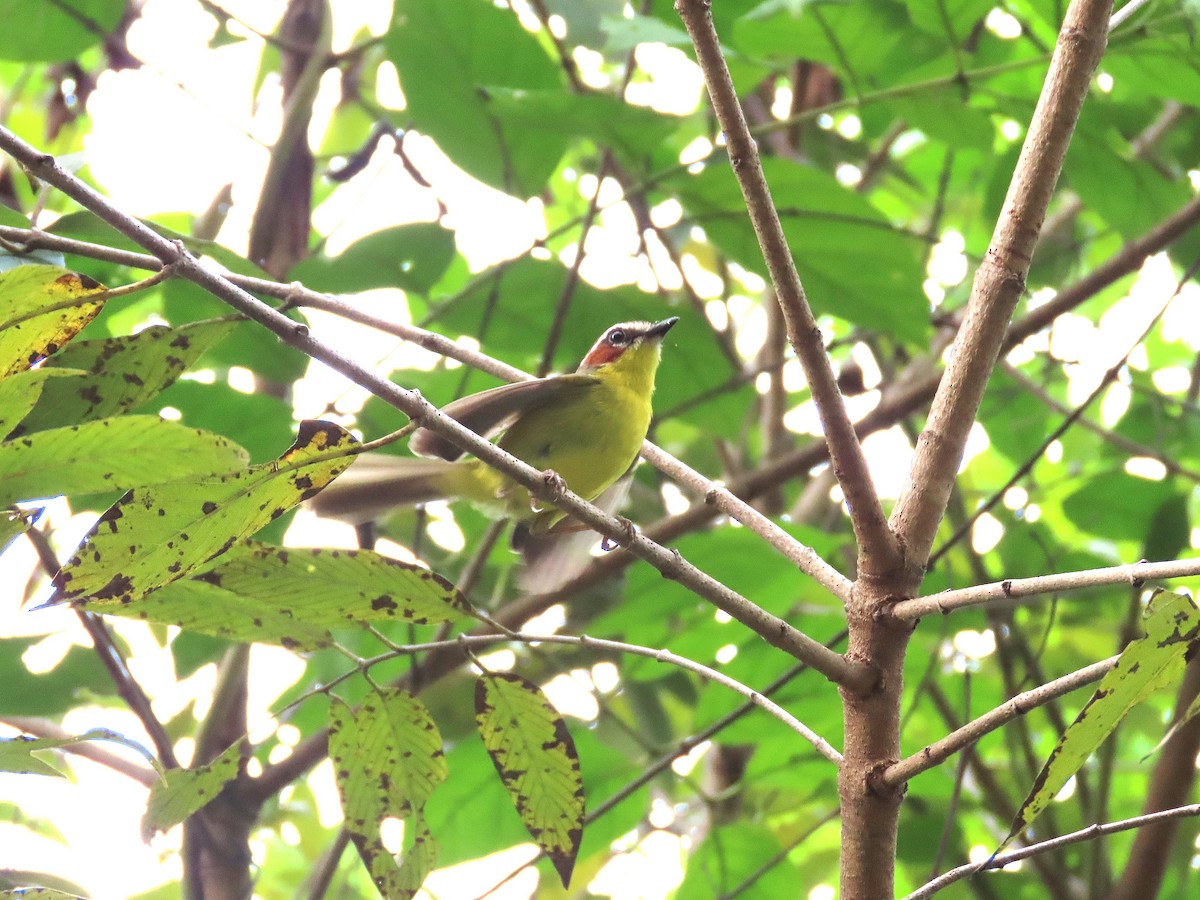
(587, 426)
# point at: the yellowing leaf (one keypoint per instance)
(41, 308)
(155, 535)
(1172, 624)
(387, 759)
(537, 761)
(182, 792)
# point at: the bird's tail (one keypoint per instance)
(376, 484)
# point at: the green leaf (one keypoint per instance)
(634, 132)
(52, 692)
(16, 814)
(41, 308)
(153, 536)
(294, 596)
(449, 55)
(182, 792)
(1148, 664)
(197, 606)
(50, 32)
(388, 760)
(122, 372)
(14, 523)
(42, 893)
(535, 756)
(110, 454)
(410, 257)
(952, 19)
(19, 394)
(331, 587)
(18, 754)
(1118, 505)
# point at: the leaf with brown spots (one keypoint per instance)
(198, 605)
(121, 373)
(41, 308)
(387, 760)
(111, 455)
(292, 596)
(155, 535)
(535, 755)
(1148, 664)
(182, 792)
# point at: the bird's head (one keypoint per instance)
(630, 350)
(627, 340)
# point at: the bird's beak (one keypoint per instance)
(658, 329)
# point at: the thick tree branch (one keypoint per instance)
(1000, 279)
(878, 549)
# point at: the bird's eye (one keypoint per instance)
(617, 337)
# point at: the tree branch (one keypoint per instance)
(878, 549)
(1000, 279)
(898, 773)
(1085, 834)
(1012, 589)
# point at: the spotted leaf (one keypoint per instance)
(537, 761)
(121, 373)
(41, 308)
(110, 455)
(153, 536)
(387, 758)
(183, 792)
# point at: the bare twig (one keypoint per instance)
(1015, 588)
(971, 732)
(1085, 834)
(110, 656)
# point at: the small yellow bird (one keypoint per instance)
(588, 427)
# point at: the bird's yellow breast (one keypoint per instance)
(591, 439)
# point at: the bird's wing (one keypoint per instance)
(490, 411)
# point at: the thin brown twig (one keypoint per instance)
(1085, 834)
(110, 656)
(44, 728)
(935, 753)
(1014, 589)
